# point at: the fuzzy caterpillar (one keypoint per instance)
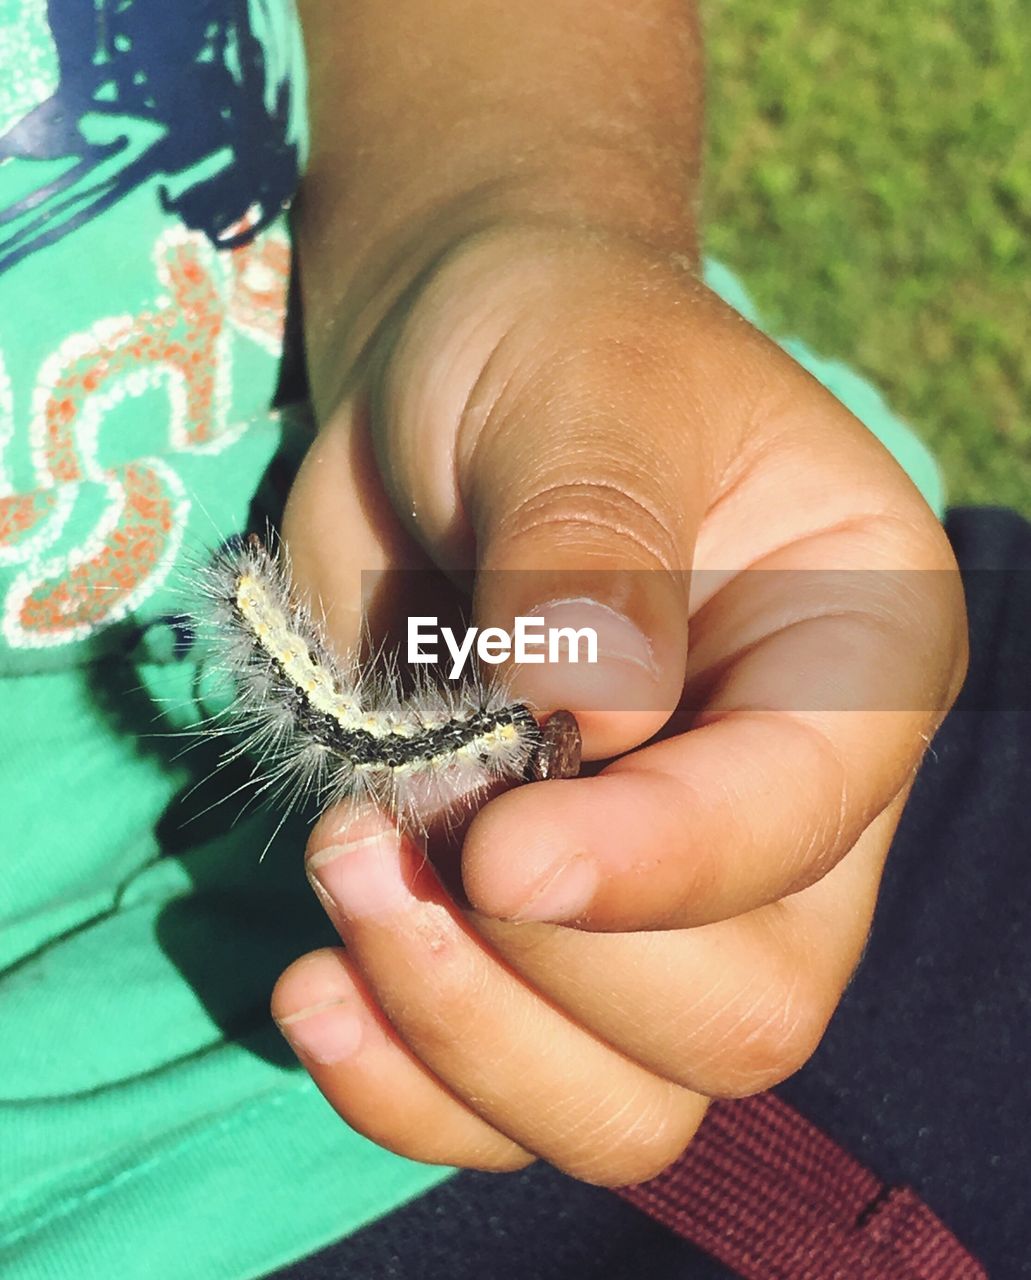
(324, 728)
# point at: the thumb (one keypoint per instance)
(536, 424)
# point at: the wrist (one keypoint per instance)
(598, 205)
(431, 124)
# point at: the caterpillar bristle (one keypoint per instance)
(324, 727)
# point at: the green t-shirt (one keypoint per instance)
(152, 1123)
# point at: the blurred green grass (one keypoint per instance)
(869, 176)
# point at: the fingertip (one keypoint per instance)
(513, 846)
(370, 1077)
(593, 852)
(354, 822)
(320, 977)
(609, 645)
(319, 1010)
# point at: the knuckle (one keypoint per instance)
(432, 1014)
(413, 1141)
(773, 1037)
(508, 1161)
(428, 1135)
(610, 503)
(632, 1149)
(645, 1161)
(708, 878)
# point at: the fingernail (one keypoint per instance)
(619, 639)
(565, 896)
(361, 877)
(326, 1033)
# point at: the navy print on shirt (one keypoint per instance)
(197, 93)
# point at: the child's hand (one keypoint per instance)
(566, 402)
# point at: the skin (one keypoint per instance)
(514, 367)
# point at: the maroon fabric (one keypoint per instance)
(773, 1198)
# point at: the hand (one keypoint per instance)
(570, 402)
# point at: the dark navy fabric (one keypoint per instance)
(925, 1072)
(533, 1225)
